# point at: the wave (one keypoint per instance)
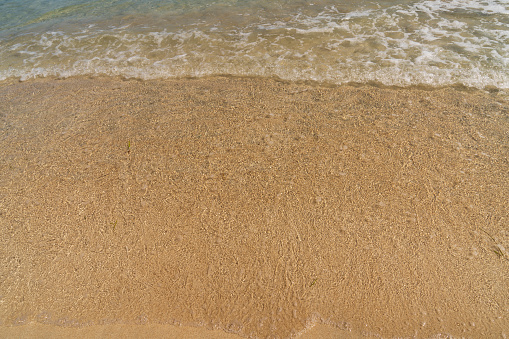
(429, 42)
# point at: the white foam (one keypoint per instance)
(396, 45)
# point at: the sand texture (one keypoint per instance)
(255, 207)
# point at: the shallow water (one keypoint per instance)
(402, 43)
(253, 206)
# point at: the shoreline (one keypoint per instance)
(489, 89)
(254, 205)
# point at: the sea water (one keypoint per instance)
(391, 42)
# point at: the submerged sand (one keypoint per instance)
(252, 206)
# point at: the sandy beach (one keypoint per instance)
(252, 207)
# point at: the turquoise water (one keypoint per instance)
(401, 42)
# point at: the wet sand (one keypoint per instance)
(253, 207)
